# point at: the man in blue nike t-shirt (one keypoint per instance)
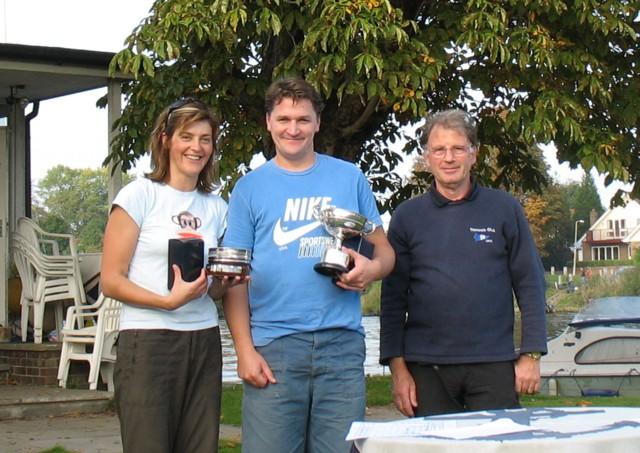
(297, 334)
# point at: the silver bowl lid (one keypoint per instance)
(230, 253)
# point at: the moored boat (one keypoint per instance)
(598, 354)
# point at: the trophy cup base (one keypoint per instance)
(330, 269)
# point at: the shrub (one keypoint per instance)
(602, 263)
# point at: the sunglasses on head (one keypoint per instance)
(180, 103)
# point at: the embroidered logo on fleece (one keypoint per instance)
(483, 234)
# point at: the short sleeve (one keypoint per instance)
(134, 198)
(240, 229)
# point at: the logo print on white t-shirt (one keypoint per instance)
(189, 224)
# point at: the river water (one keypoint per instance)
(556, 322)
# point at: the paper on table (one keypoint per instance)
(418, 427)
(496, 427)
(409, 427)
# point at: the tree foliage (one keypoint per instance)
(552, 216)
(530, 71)
(74, 201)
(583, 198)
(536, 208)
(551, 225)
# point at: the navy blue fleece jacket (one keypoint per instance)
(449, 298)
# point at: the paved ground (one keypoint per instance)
(96, 433)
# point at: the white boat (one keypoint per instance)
(598, 354)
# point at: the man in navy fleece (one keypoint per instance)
(447, 317)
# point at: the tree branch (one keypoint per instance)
(371, 107)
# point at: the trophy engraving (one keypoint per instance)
(341, 224)
(228, 262)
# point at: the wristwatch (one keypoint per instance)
(533, 355)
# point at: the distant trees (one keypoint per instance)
(552, 217)
(74, 201)
(582, 197)
(551, 225)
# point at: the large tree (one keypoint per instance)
(74, 201)
(530, 71)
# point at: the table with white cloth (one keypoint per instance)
(542, 429)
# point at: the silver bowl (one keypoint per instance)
(228, 262)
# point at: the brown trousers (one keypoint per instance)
(167, 390)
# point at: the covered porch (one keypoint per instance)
(30, 75)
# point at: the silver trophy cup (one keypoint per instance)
(341, 224)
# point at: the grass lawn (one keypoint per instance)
(379, 394)
(570, 401)
(231, 404)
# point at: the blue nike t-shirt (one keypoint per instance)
(271, 213)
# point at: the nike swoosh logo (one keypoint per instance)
(281, 237)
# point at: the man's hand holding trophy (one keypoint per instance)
(341, 224)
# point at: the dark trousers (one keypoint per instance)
(444, 389)
(167, 390)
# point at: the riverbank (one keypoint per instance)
(625, 283)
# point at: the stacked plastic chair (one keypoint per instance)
(90, 333)
(46, 277)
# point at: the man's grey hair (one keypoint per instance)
(456, 119)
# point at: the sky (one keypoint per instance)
(71, 130)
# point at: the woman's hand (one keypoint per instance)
(222, 284)
(184, 292)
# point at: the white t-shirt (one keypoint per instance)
(162, 212)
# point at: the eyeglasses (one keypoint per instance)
(457, 151)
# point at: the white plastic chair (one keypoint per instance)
(95, 342)
(27, 295)
(44, 281)
(44, 242)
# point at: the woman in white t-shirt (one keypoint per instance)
(168, 374)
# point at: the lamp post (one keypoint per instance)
(575, 247)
